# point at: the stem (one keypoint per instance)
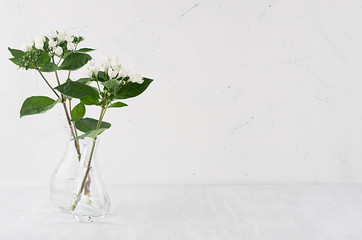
(78, 196)
(71, 130)
(47, 82)
(76, 142)
(56, 74)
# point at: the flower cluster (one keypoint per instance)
(113, 70)
(53, 41)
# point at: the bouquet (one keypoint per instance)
(103, 87)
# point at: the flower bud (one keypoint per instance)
(39, 44)
(69, 38)
(123, 72)
(52, 43)
(92, 63)
(137, 78)
(112, 73)
(51, 34)
(70, 46)
(58, 50)
(61, 36)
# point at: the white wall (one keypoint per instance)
(244, 91)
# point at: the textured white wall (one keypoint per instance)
(244, 91)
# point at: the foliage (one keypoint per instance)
(103, 86)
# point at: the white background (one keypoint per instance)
(244, 91)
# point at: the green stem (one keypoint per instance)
(76, 142)
(47, 82)
(78, 196)
(71, 125)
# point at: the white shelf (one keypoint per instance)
(233, 212)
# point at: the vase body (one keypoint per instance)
(90, 199)
(63, 179)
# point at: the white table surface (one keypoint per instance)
(270, 212)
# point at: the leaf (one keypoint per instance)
(84, 80)
(112, 84)
(78, 111)
(89, 124)
(101, 103)
(102, 77)
(78, 90)
(91, 134)
(75, 61)
(44, 58)
(131, 89)
(117, 105)
(48, 67)
(83, 50)
(16, 53)
(37, 104)
(16, 61)
(87, 100)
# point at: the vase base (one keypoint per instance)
(87, 218)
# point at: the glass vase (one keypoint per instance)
(90, 199)
(63, 179)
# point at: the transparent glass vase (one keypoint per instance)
(63, 179)
(90, 199)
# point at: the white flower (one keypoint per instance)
(91, 63)
(106, 65)
(61, 36)
(70, 46)
(51, 34)
(69, 38)
(58, 50)
(123, 72)
(26, 47)
(89, 72)
(40, 38)
(39, 44)
(92, 70)
(108, 59)
(52, 43)
(96, 70)
(137, 78)
(115, 62)
(112, 73)
(31, 41)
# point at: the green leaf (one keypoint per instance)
(16, 53)
(44, 58)
(89, 124)
(131, 89)
(78, 90)
(83, 50)
(91, 134)
(84, 80)
(117, 105)
(48, 67)
(37, 104)
(16, 61)
(102, 77)
(75, 61)
(101, 103)
(112, 84)
(78, 111)
(88, 100)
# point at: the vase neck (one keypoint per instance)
(89, 158)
